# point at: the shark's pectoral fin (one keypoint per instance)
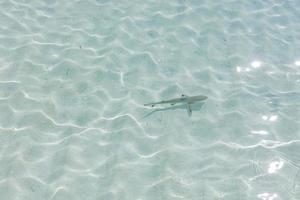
(189, 109)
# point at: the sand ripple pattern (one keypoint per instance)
(74, 76)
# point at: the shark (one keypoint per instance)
(184, 99)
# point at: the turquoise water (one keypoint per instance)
(75, 75)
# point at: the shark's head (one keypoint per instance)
(197, 98)
(193, 98)
(201, 97)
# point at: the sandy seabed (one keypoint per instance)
(74, 76)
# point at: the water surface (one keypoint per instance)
(74, 76)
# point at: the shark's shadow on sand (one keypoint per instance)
(195, 107)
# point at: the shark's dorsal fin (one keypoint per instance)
(183, 95)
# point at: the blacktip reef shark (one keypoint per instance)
(184, 99)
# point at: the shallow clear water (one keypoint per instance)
(74, 76)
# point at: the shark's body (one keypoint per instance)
(183, 99)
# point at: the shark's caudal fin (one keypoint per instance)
(189, 109)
